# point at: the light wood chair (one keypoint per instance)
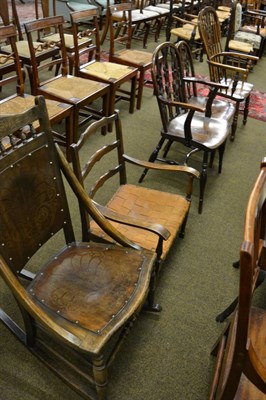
(152, 218)
(240, 370)
(229, 68)
(116, 75)
(20, 101)
(81, 303)
(76, 91)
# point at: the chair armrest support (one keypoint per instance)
(138, 223)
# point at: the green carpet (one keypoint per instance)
(166, 356)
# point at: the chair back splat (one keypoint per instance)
(84, 298)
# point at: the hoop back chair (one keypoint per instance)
(185, 118)
(240, 371)
(152, 218)
(102, 71)
(76, 91)
(86, 294)
(20, 101)
(226, 67)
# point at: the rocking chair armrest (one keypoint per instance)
(89, 204)
(162, 167)
(133, 221)
(205, 82)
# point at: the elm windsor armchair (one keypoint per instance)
(87, 295)
(146, 216)
(57, 111)
(222, 69)
(240, 371)
(199, 123)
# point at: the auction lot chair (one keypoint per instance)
(78, 92)
(230, 68)
(86, 295)
(240, 371)
(120, 51)
(146, 216)
(20, 101)
(187, 118)
(102, 71)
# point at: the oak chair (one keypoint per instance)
(230, 68)
(86, 296)
(120, 50)
(20, 101)
(102, 71)
(240, 371)
(187, 118)
(76, 91)
(152, 218)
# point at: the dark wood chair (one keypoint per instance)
(82, 301)
(187, 118)
(20, 101)
(152, 218)
(83, 42)
(240, 371)
(102, 71)
(120, 50)
(230, 68)
(76, 91)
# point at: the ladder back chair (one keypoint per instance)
(86, 296)
(226, 67)
(240, 371)
(187, 118)
(150, 217)
(76, 91)
(20, 101)
(102, 71)
(121, 36)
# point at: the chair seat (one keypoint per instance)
(253, 29)
(159, 10)
(72, 88)
(249, 38)
(134, 56)
(23, 103)
(167, 209)
(220, 109)
(23, 48)
(239, 46)
(241, 92)
(108, 71)
(207, 132)
(86, 287)
(185, 32)
(76, 6)
(69, 41)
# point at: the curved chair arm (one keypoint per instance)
(236, 55)
(89, 205)
(185, 21)
(205, 82)
(138, 223)
(187, 106)
(193, 173)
